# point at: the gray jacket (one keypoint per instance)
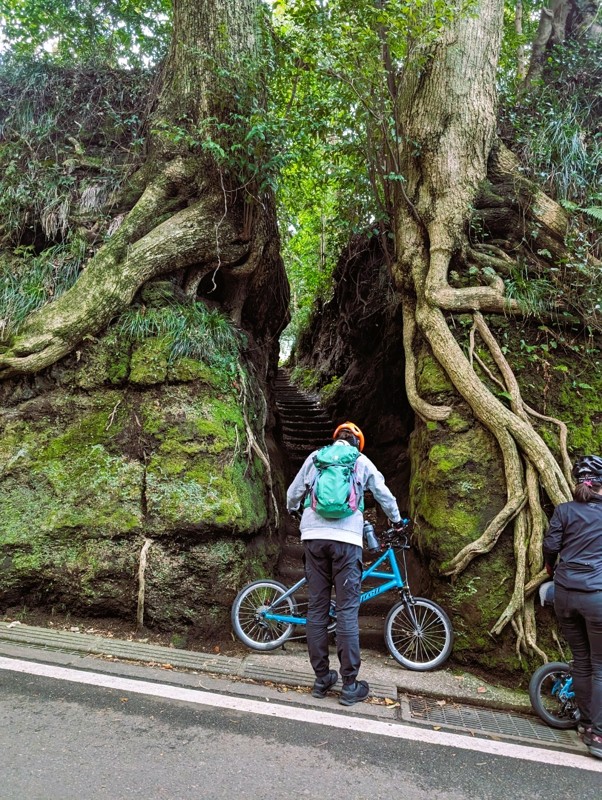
(349, 529)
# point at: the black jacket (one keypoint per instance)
(575, 537)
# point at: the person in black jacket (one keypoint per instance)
(572, 550)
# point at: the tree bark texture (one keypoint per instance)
(447, 109)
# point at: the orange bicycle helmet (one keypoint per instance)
(351, 426)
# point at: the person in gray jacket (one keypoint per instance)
(333, 558)
(572, 550)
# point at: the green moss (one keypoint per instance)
(305, 378)
(87, 475)
(457, 423)
(205, 494)
(156, 294)
(466, 449)
(431, 379)
(149, 362)
(328, 391)
(451, 522)
(89, 431)
(580, 409)
(189, 369)
(103, 361)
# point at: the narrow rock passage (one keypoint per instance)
(306, 426)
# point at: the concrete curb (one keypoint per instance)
(287, 667)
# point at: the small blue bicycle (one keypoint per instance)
(552, 695)
(418, 633)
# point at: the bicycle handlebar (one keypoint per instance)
(397, 538)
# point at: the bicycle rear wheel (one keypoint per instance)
(552, 696)
(248, 621)
(419, 634)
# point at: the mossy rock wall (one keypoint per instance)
(458, 487)
(117, 447)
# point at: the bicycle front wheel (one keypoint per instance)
(248, 619)
(552, 696)
(419, 634)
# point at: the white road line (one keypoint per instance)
(329, 719)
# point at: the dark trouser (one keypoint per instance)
(337, 564)
(580, 619)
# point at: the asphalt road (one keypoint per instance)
(71, 741)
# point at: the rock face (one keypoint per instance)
(117, 449)
(352, 355)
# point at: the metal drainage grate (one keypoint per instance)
(484, 720)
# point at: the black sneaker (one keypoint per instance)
(594, 745)
(354, 693)
(585, 732)
(322, 685)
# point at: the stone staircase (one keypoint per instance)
(306, 427)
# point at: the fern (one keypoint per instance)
(593, 211)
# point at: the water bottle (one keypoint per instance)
(371, 542)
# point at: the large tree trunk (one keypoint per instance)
(447, 110)
(192, 216)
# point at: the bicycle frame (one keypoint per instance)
(563, 689)
(391, 580)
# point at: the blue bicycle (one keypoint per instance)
(552, 695)
(418, 633)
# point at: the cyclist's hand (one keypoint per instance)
(399, 526)
(295, 513)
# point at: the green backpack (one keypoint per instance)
(335, 492)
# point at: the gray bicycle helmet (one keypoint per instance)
(587, 468)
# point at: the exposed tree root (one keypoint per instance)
(140, 250)
(254, 446)
(142, 583)
(425, 410)
(448, 113)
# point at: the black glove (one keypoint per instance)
(295, 513)
(400, 525)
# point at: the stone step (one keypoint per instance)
(298, 406)
(303, 427)
(306, 443)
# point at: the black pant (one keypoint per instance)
(337, 564)
(580, 619)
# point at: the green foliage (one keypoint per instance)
(27, 281)
(534, 295)
(69, 138)
(334, 89)
(127, 33)
(190, 331)
(556, 125)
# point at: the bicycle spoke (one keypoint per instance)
(419, 635)
(249, 620)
